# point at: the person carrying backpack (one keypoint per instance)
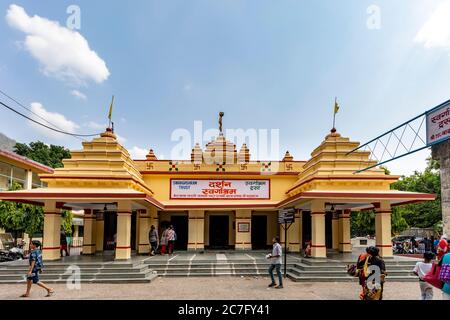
(36, 265)
(372, 288)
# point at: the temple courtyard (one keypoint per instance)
(222, 288)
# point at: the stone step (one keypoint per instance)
(84, 270)
(65, 266)
(112, 280)
(296, 278)
(223, 274)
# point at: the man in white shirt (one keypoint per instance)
(420, 270)
(276, 261)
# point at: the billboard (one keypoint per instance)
(438, 124)
(231, 189)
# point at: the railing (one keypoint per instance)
(76, 247)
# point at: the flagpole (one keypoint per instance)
(334, 113)
(110, 112)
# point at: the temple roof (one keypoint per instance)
(332, 160)
(102, 162)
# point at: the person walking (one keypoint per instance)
(63, 243)
(153, 238)
(420, 270)
(171, 238)
(36, 265)
(372, 288)
(164, 240)
(442, 247)
(276, 261)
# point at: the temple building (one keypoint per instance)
(218, 199)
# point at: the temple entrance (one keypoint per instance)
(328, 230)
(306, 228)
(180, 224)
(110, 229)
(259, 232)
(218, 232)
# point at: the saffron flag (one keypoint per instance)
(110, 109)
(336, 106)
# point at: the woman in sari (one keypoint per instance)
(371, 273)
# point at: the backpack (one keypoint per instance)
(39, 265)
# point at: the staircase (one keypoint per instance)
(101, 272)
(145, 270)
(306, 270)
(208, 268)
(309, 270)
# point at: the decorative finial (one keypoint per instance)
(110, 112)
(335, 110)
(221, 114)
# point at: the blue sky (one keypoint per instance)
(266, 64)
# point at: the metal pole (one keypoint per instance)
(285, 247)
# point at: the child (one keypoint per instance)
(36, 265)
(307, 253)
(420, 270)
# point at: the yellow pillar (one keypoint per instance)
(294, 234)
(335, 230)
(196, 237)
(154, 219)
(144, 228)
(243, 239)
(99, 231)
(52, 230)
(318, 246)
(89, 232)
(123, 247)
(383, 228)
(344, 232)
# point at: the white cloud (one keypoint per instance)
(54, 120)
(78, 94)
(138, 153)
(121, 139)
(96, 126)
(63, 53)
(435, 33)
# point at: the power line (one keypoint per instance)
(46, 126)
(31, 111)
(26, 108)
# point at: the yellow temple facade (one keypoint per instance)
(218, 199)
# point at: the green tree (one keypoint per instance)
(362, 223)
(66, 221)
(425, 214)
(51, 156)
(20, 217)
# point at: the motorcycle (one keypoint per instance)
(13, 253)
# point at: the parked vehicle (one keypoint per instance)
(9, 250)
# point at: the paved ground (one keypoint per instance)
(217, 288)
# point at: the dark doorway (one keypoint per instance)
(259, 232)
(328, 230)
(218, 232)
(306, 227)
(133, 231)
(180, 224)
(110, 229)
